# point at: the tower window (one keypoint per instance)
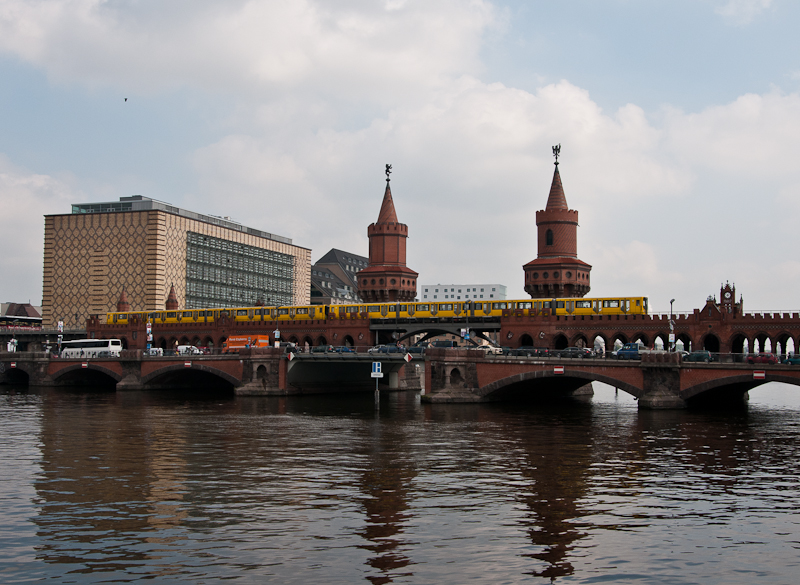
(549, 237)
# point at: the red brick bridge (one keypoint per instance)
(262, 371)
(660, 380)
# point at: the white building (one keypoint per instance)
(462, 292)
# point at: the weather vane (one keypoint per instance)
(388, 172)
(556, 152)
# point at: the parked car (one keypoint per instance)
(417, 349)
(387, 349)
(762, 358)
(629, 351)
(446, 343)
(575, 352)
(530, 351)
(188, 350)
(154, 352)
(492, 349)
(792, 359)
(700, 355)
(322, 349)
(343, 349)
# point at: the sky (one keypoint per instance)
(679, 125)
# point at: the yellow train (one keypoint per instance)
(451, 310)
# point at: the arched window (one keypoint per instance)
(548, 237)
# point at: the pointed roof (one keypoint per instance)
(123, 304)
(556, 199)
(172, 300)
(387, 214)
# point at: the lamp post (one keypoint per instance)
(671, 327)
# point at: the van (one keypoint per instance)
(188, 350)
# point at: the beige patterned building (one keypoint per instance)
(143, 247)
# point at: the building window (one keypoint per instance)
(491, 296)
(493, 290)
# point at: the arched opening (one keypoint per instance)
(348, 341)
(683, 343)
(456, 377)
(307, 343)
(738, 343)
(620, 339)
(781, 344)
(322, 340)
(560, 342)
(261, 372)
(599, 345)
(525, 340)
(183, 341)
(124, 341)
(15, 377)
(162, 343)
(209, 343)
(711, 343)
(790, 347)
(196, 341)
(580, 341)
(641, 339)
(661, 342)
(221, 342)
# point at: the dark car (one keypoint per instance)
(322, 349)
(762, 358)
(575, 352)
(417, 349)
(529, 351)
(700, 355)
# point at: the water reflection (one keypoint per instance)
(176, 487)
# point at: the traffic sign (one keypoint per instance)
(408, 357)
(376, 370)
(558, 369)
(759, 375)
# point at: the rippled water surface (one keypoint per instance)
(168, 487)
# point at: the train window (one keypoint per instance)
(302, 311)
(559, 304)
(447, 307)
(283, 311)
(186, 314)
(423, 308)
(583, 304)
(351, 309)
(500, 305)
(546, 304)
(373, 309)
(393, 308)
(525, 305)
(403, 308)
(241, 313)
(638, 303)
(611, 304)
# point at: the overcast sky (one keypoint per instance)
(679, 122)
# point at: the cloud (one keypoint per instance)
(24, 197)
(357, 49)
(742, 12)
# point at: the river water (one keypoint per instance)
(180, 488)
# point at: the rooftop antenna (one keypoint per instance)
(388, 172)
(556, 152)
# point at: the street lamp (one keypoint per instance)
(671, 327)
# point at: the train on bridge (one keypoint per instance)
(425, 310)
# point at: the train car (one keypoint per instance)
(426, 310)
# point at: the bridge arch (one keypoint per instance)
(16, 376)
(578, 379)
(600, 343)
(94, 374)
(732, 386)
(198, 375)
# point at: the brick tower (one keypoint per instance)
(557, 272)
(387, 278)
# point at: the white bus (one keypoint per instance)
(91, 348)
